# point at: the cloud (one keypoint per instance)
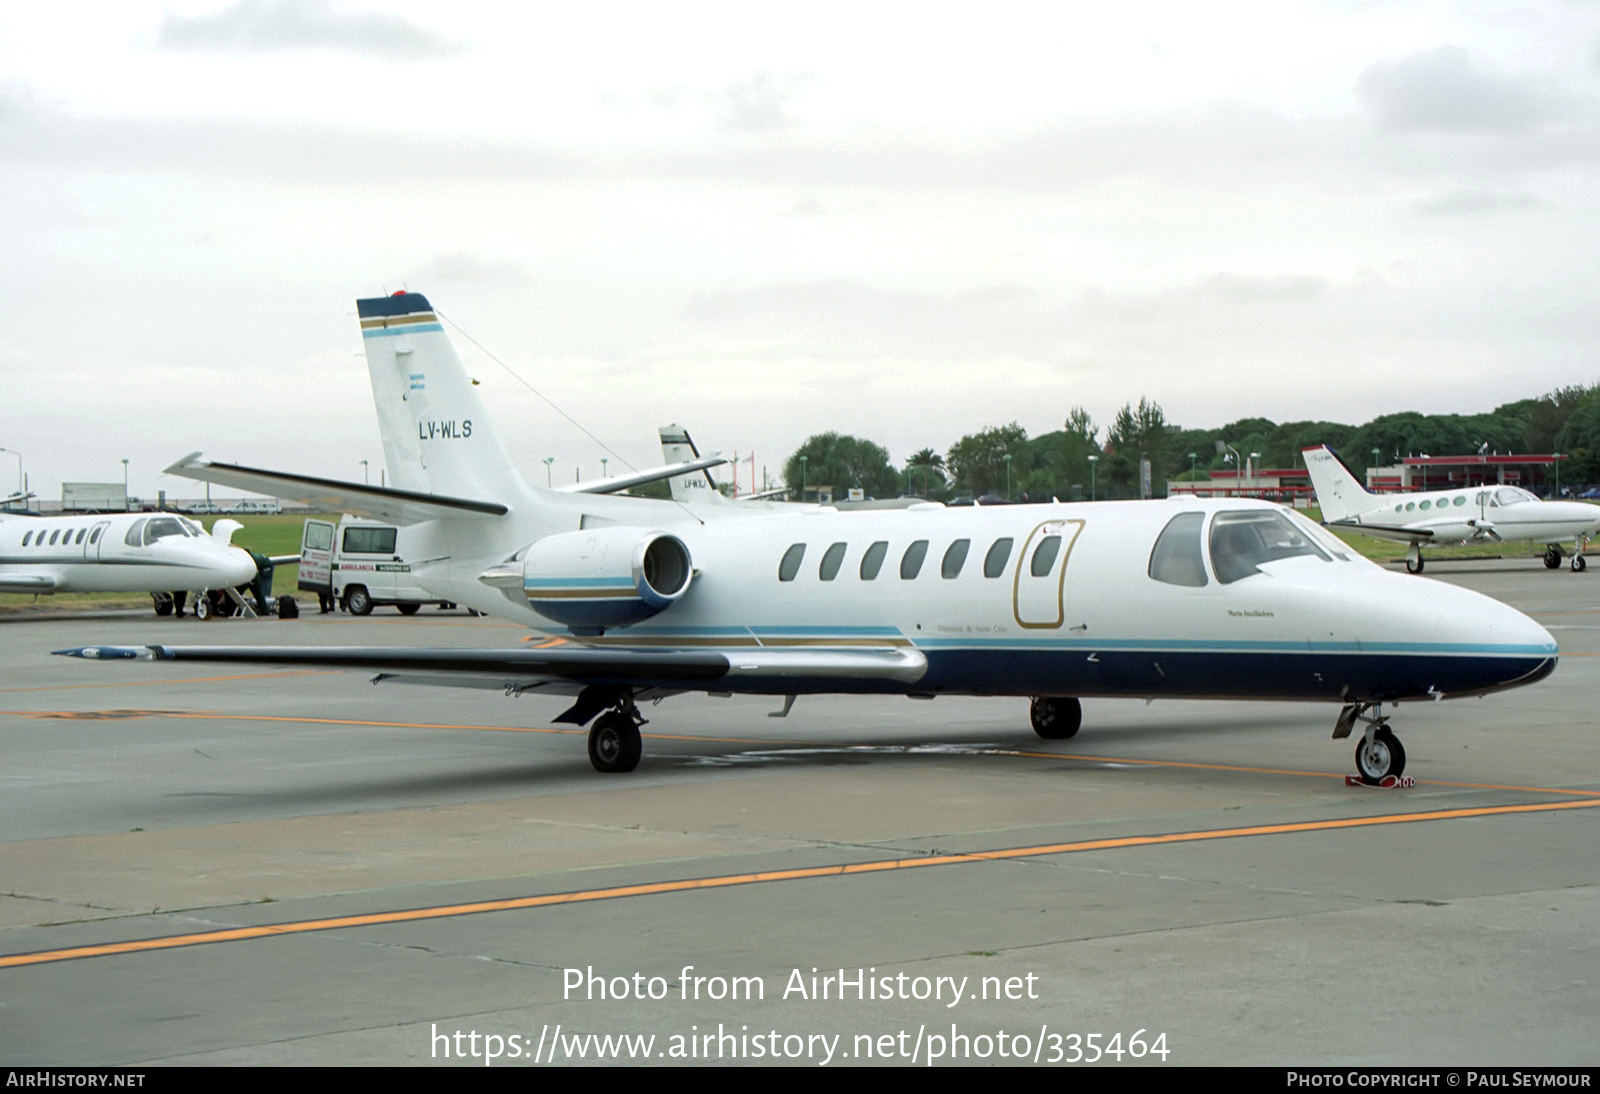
(1274, 289)
(1445, 90)
(756, 103)
(270, 26)
(1474, 202)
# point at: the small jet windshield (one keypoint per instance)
(161, 528)
(1242, 542)
(1511, 495)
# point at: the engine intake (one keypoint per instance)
(601, 578)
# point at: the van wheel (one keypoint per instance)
(357, 601)
(408, 609)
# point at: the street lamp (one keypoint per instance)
(1008, 476)
(1094, 462)
(124, 483)
(20, 488)
(365, 477)
(803, 460)
(1557, 457)
(1191, 465)
(548, 460)
(603, 462)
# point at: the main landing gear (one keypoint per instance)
(1414, 561)
(614, 742)
(1055, 717)
(1552, 555)
(1379, 753)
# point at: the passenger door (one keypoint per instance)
(1038, 590)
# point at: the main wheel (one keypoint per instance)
(1552, 559)
(1578, 564)
(1414, 566)
(357, 601)
(1379, 757)
(614, 744)
(1055, 718)
(408, 609)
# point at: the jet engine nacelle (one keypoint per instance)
(601, 578)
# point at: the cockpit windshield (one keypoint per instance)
(162, 527)
(1242, 542)
(1511, 495)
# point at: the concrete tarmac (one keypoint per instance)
(203, 865)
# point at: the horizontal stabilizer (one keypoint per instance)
(332, 496)
(654, 474)
(1385, 531)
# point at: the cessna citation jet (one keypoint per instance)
(156, 553)
(1158, 600)
(1478, 513)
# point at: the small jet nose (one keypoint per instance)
(239, 567)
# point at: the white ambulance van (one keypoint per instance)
(360, 564)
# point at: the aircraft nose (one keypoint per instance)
(239, 567)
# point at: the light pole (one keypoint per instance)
(1191, 466)
(548, 460)
(365, 476)
(803, 460)
(1008, 476)
(20, 488)
(124, 484)
(1254, 456)
(1557, 456)
(603, 462)
(1094, 462)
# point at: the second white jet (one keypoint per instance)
(1474, 513)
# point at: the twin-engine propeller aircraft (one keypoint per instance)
(157, 553)
(1159, 600)
(1476, 513)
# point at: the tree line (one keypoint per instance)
(1077, 460)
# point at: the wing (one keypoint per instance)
(27, 583)
(332, 496)
(1385, 531)
(760, 671)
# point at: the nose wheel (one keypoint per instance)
(1380, 755)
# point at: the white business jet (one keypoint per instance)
(1476, 513)
(1156, 600)
(156, 553)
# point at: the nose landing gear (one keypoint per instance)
(1379, 753)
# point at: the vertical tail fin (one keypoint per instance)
(1339, 495)
(437, 438)
(678, 447)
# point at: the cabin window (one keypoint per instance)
(1399, 508)
(1425, 505)
(791, 562)
(81, 532)
(1462, 500)
(94, 536)
(994, 563)
(1410, 505)
(1177, 559)
(831, 559)
(954, 558)
(26, 536)
(135, 536)
(872, 561)
(1044, 556)
(911, 561)
(369, 541)
(53, 536)
(1242, 542)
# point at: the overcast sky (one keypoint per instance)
(763, 221)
